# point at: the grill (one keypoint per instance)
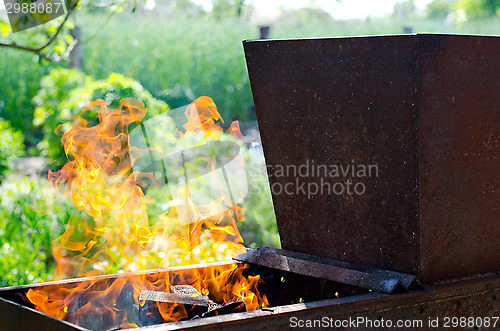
(414, 239)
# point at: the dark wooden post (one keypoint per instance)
(264, 31)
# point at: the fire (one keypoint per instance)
(116, 233)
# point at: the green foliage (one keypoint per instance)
(439, 9)
(40, 36)
(32, 215)
(65, 92)
(259, 227)
(25, 56)
(20, 76)
(475, 9)
(227, 8)
(11, 146)
(176, 60)
(52, 39)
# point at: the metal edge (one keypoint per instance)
(366, 277)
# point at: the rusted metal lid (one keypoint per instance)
(364, 140)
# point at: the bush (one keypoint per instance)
(63, 95)
(32, 215)
(20, 76)
(11, 146)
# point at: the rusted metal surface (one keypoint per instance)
(347, 273)
(423, 109)
(15, 316)
(459, 140)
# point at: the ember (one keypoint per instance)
(106, 179)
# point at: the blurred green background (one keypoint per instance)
(165, 55)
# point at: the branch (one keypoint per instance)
(59, 28)
(38, 50)
(29, 49)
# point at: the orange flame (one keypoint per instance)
(118, 235)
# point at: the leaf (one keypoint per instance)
(5, 28)
(68, 38)
(58, 49)
(52, 29)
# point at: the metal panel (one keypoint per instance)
(339, 102)
(425, 109)
(20, 318)
(459, 118)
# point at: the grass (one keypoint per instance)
(176, 60)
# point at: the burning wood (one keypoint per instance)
(188, 295)
(228, 308)
(181, 298)
(191, 291)
(184, 289)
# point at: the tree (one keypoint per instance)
(46, 41)
(53, 40)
